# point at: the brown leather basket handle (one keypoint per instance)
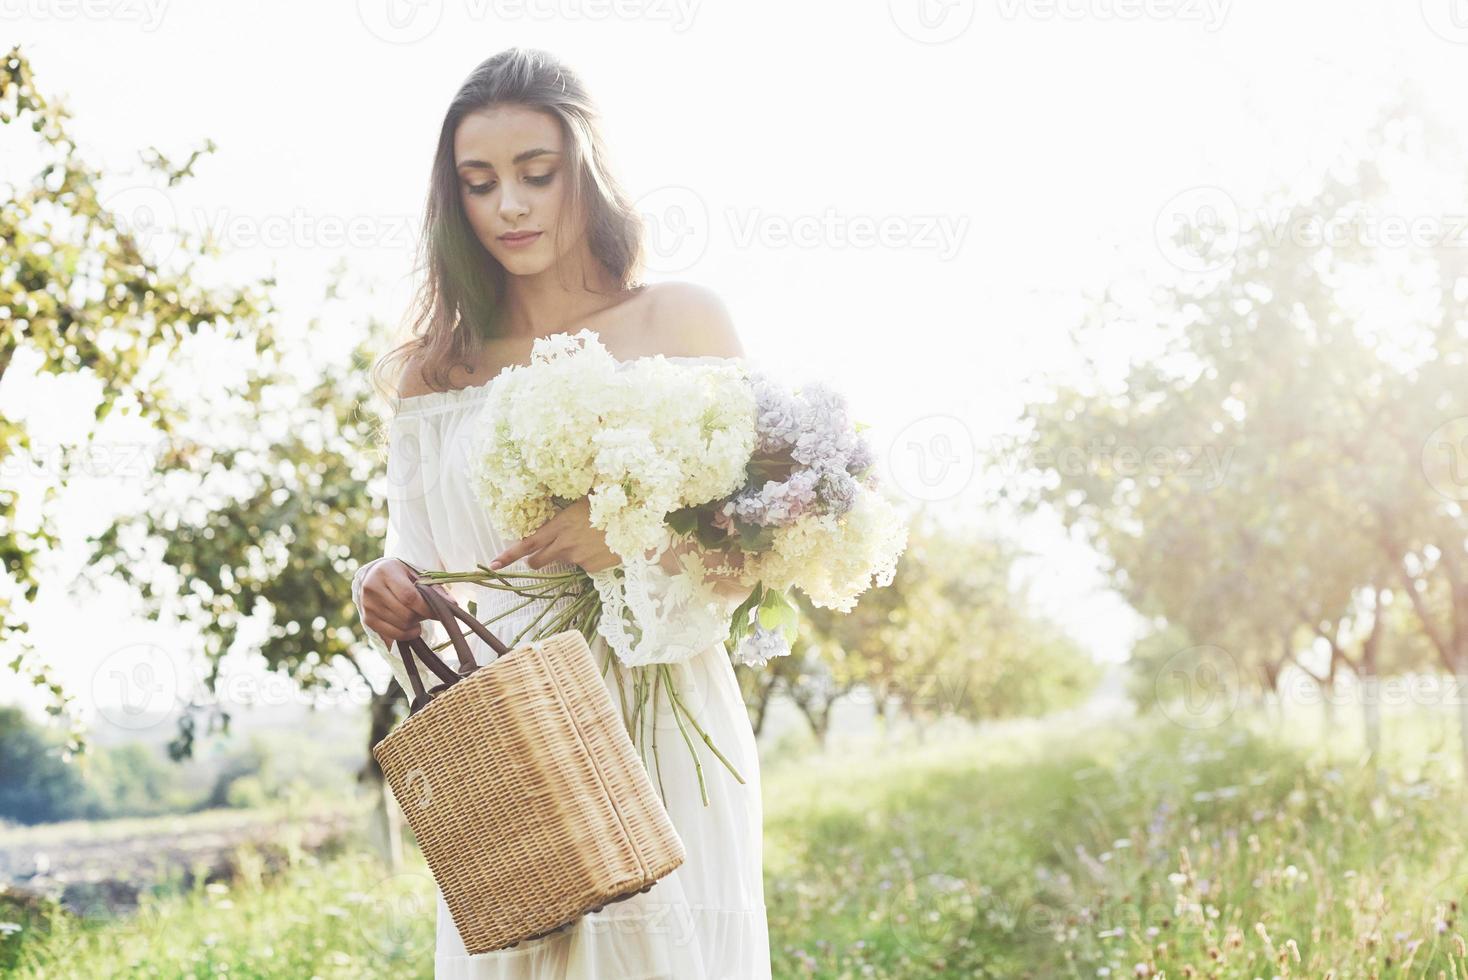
(445, 610)
(406, 649)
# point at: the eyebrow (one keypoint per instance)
(520, 157)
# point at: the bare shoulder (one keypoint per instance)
(411, 382)
(687, 319)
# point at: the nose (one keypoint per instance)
(511, 206)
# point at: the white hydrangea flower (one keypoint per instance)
(641, 439)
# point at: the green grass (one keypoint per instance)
(1144, 849)
(1141, 850)
(342, 917)
(203, 821)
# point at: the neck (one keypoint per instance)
(544, 303)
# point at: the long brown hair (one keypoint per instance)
(460, 298)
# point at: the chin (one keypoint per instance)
(518, 264)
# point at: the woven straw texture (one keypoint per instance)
(527, 796)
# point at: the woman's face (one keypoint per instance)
(512, 180)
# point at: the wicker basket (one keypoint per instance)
(526, 794)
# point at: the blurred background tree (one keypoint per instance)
(261, 503)
(1280, 502)
(79, 293)
(952, 636)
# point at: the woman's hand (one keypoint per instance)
(568, 536)
(392, 606)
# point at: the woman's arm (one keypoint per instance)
(409, 536)
(728, 584)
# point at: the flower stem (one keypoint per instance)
(697, 765)
(657, 762)
(672, 693)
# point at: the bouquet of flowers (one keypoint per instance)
(712, 470)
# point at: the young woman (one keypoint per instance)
(526, 233)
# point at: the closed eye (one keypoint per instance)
(540, 181)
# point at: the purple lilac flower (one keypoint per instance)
(861, 457)
(826, 434)
(779, 503)
(824, 449)
(777, 416)
(838, 489)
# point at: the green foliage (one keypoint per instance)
(777, 613)
(275, 767)
(328, 917)
(1142, 849)
(1279, 479)
(1138, 849)
(83, 292)
(39, 785)
(135, 780)
(740, 625)
(287, 544)
(80, 293)
(35, 783)
(951, 636)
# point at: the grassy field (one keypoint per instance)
(1138, 849)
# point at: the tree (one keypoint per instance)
(36, 784)
(1280, 366)
(950, 636)
(261, 505)
(80, 294)
(284, 545)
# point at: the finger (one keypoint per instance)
(511, 552)
(552, 551)
(395, 633)
(405, 592)
(391, 628)
(578, 556)
(524, 546)
(387, 598)
(386, 608)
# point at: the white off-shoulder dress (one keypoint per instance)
(706, 919)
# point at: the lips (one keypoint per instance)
(519, 236)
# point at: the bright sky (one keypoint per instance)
(908, 199)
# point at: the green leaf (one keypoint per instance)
(777, 612)
(683, 520)
(739, 622)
